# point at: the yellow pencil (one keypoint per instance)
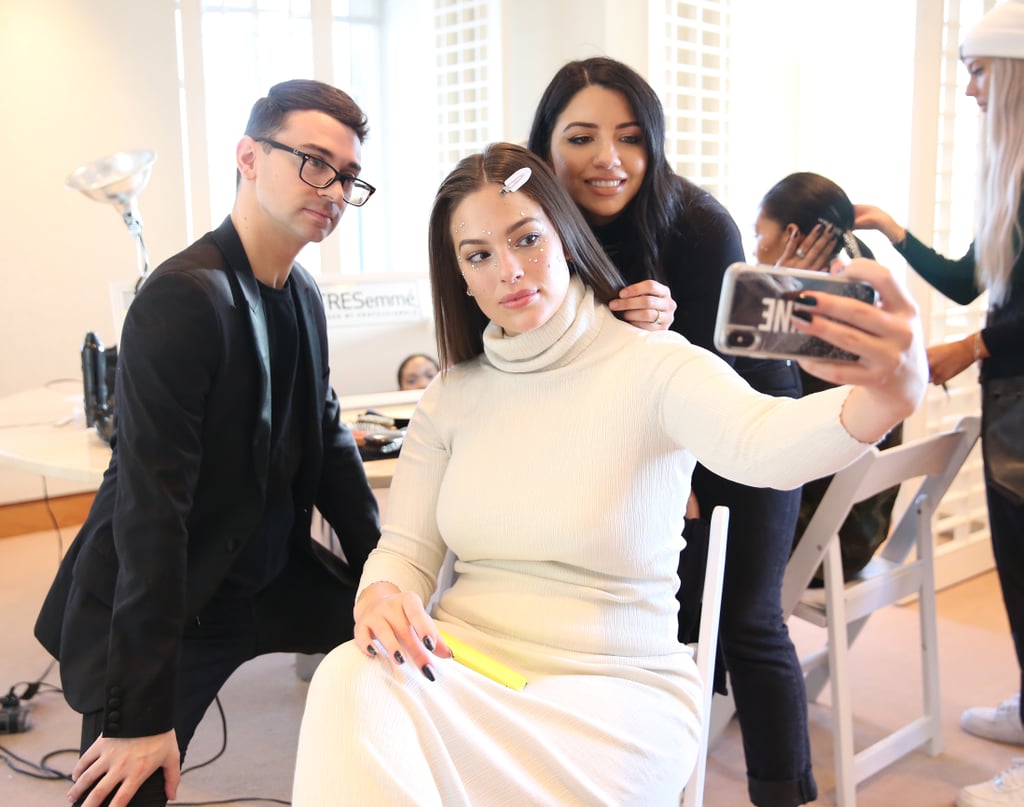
(483, 664)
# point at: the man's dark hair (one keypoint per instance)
(268, 114)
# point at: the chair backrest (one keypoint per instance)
(707, 645)
(937, 458)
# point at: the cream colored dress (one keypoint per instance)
(553, 466)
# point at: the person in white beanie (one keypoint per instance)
(993, 53)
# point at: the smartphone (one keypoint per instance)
(756, 307)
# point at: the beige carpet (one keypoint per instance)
(263, 702)
(976, 666)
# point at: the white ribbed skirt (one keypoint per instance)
(586, 730)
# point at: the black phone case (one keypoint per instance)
(755, 310)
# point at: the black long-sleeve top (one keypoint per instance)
(1004, 329)
(703, 242)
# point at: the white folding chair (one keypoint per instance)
(707, 645)
(887, 579)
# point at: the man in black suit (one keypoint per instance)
(196, 555)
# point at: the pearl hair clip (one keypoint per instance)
(517, 180)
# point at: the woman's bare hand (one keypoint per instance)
(812, 251)
(891, 375)
(869, 217)
(647, 305)
(949, 359)
(396, 621)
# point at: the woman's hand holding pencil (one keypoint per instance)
(396, 621)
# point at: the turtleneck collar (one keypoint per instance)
(555, 343)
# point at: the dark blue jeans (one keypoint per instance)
(767, 683)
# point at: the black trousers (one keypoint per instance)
(305, 610)
(1006, 525)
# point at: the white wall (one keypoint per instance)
(539, 36)
(821, 87)
(82, 80)
(817, 87)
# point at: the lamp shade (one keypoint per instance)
(116, 179)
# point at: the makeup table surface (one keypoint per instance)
(43, 431)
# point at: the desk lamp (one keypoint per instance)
(118, 180)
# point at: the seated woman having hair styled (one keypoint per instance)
(548, 457)
(416, 371)
(806, 221)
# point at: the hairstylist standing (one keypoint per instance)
(993, 53)
(601, 127)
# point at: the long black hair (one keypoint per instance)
(805, 199)
(650, 215)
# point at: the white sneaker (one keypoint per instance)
(1006, 790)
(1001, 724)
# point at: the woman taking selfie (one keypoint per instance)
(545, 457)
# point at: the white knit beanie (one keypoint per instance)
(999, 34)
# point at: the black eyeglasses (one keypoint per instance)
(314, 171)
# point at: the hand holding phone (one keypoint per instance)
(756, 307)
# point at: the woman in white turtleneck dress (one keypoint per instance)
(549, 458)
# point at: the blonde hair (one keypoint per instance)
(998, 237)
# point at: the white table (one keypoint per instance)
(42, 431)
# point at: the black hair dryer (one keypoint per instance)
(98, 364)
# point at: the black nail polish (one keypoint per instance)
(428, 671)
(808, 300)
(428, 643)
(371, 650)
(399, 657)
(806, 316)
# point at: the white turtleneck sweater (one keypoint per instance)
(555, 466)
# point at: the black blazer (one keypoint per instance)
(185, 487)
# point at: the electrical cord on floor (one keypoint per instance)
(53, 521)
(214, 758)
(38, 770)
(14, 699)
(223, 740)
(42, 770)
